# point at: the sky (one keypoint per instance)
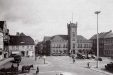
(39, 18)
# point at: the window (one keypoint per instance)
(73, 34)
(73, 45)
(17, 47)
(66, 45)
(80, 45)
(56, 51)
(12, 47)
(31, 46)
(73, 39)
(59, 45)
(65, 51)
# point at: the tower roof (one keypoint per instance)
(72, 24)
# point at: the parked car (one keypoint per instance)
(93, 57)
(12, 55)
(99, 59)
(17, 58)
(109, 66)
(80, 56)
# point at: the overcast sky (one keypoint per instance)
(39, 18)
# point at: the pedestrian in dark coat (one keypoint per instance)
(12, 66)
(73, 60)
(88, 64)
(17, 64)
(37, 71)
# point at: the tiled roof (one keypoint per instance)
(21, 40)
(46, 38)
(80, 37)
(110, 35)
(65, 37)
(103, 35)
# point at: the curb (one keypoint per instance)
(98, 70)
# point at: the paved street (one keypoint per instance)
(60, 64)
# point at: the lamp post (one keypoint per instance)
(97, 12)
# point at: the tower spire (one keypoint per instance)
(72, 17)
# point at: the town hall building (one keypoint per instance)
(65, 44)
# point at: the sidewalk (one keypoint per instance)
(101, 70)
(93, 63)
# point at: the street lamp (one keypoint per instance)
(97, 12)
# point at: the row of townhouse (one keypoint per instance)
(22, 45)
(10, 44)
(4, 40)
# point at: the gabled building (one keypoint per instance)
(84, 45)
(103, 43)
(108, 44)
(1, 44)
(58, 45)
(4, 40)
(21, 44)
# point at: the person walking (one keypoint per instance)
(17, 64)
(88, 64)
(73, 60)
(12, 66)
(37, 71)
